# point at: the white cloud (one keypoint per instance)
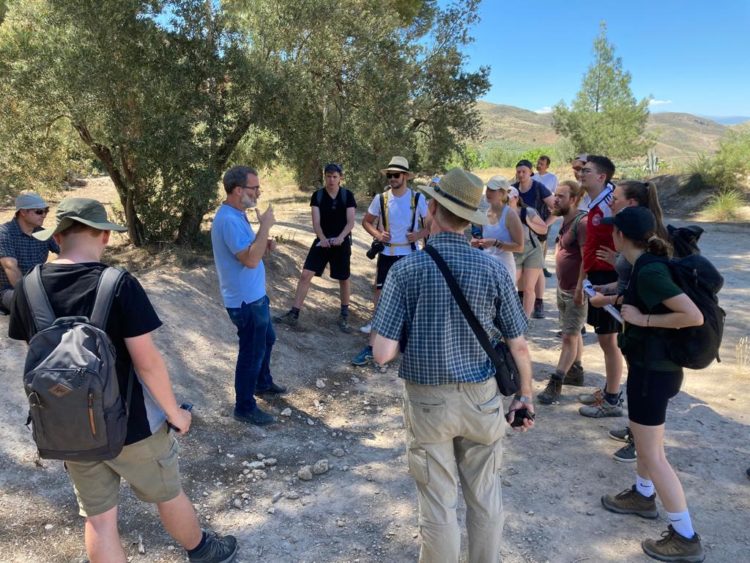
(659, 102)
(545, 109)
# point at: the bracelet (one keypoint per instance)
(648, 320)
(498, 243)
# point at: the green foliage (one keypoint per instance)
(468, 158)
(166, 94)
(725, 205)
(729, 168)
(507, 153)
(605, 118)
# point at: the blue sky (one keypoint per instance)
(690, 56)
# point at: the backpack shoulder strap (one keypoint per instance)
(319, 197)
(105, 295)
(384, 209)
(41, 309)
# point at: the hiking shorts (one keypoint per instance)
(572, 316)
(649, 392)
(385, 263)
(531, 257)
(603, 322)
(339, 257)
(150, 467)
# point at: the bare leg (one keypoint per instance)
(303, 286)
(569, 351)
(180, 521)
(526, 284)
(612, 361)
(345, 289)
(102, 538)
(579, 348)
(652, 464)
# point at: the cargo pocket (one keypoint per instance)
(418, 468)
(169, 470)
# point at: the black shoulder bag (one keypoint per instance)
(506, 371)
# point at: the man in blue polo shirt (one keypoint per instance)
(19, 251)
(238, 254)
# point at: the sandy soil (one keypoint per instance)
(364, 508)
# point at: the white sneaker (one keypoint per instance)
(367, 328)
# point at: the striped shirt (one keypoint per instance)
(27, 250)
(441, 346)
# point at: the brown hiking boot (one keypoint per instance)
(551, 393)
(674, 547)
(574, 376)
(630, 501)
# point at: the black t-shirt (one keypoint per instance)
(333, 210)
(71, 289)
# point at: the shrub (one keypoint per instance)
(725, 205)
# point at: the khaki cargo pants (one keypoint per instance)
(455, 432)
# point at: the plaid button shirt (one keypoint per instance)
(27, 250)
(441, 346)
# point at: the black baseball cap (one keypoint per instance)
(333, 167)
(636, 223)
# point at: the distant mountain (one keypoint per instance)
(679, 136)
(730, 119)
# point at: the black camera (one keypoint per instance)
(375, 248)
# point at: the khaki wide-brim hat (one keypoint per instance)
(398, 164)
(79, 210)
(460, 192)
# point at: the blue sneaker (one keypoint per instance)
(364, 357)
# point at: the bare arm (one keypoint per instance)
(384, 349)
(536, 223)
(150, 366)
(550, 202)
(515, 228)
(253, 254)
(315, 212)
(684, 314)
(369, 223)
(10, 265)
(520, 350)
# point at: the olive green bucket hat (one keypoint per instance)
(79, 210)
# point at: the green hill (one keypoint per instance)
(679, 136)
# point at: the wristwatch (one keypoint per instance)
(522, 399)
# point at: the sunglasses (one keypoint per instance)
(390, 175)
(251, 187)
(41, 211)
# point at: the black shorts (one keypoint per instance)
(649, 392)
(603, 322)
(339, 257)
(384, 266)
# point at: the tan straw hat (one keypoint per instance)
(460, 192)
(398, 164)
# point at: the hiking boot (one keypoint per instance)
(602, 409)
(591, 398)
(272, 391)
(217, 549)
(630, 501)
(538, 310)
(626, 454)
(574, 376)
(621, 434)
(256, 416)
(288, 318)
(367, 328)
(343, 324)
(674, 547)
(551, 393)
(364, 357)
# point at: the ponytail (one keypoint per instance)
(657, 246)
(646, 194)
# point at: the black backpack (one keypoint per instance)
(693, 347)
(75, 407)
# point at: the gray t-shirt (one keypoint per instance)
(623, 269)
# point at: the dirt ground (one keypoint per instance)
(364, 507)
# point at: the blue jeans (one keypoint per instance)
(253, 370)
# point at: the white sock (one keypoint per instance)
(681, 523)
(644, 486)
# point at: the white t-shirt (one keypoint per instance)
(548, 179)
(398, 217)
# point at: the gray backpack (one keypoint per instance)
(75, 406)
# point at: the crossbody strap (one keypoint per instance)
(458, 295)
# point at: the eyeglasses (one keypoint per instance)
(41, 211)
(390, 175)
(257, 187)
